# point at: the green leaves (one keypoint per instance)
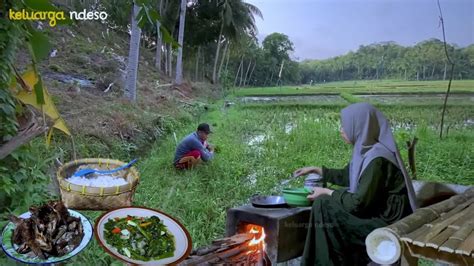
(146, 13)
(150, 15)
(141, 17)
(40, 5)
(167, 38)
(39, 91)
(40, 45)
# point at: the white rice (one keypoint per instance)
(97, 181)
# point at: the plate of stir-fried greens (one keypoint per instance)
(140, 235)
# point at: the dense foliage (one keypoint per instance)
(424, 61)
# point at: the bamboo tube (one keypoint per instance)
(392, 234)
(428, 214)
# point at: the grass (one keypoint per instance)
(292, 134)
(382, 86)
(201, 197)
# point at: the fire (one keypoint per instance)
(256, 240)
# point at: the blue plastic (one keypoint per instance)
(88, 171)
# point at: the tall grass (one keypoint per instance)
(293, 137)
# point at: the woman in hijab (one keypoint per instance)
(377, 191)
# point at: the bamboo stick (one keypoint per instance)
(441, 238)
(417, 234)
(457, 238)
(429, 214)
(467, 246)
(420, 234)
(443, 224)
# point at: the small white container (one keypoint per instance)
(313, 180)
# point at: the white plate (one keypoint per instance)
(10, 249)
(181, 236)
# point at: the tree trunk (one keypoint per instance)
(227, 60)
(159, 42)
(417, 76)
(405, 74)
(203, 71)
(238, 71)
(251, 73)
(271, 79)
(170, 60)
(445, 68)
(133, 57)
(247, 72)
(166, 58)
(241, 73)
(222, 60)
(216, 59)
(196, 69)
(424, 73)
(158, 49)
(179, 60)
(432, 72)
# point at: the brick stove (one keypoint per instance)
(285, 228)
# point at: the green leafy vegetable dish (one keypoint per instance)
(140, 238)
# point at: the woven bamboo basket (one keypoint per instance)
(83, 197)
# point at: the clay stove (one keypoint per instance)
(285, 228)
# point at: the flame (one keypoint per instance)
(254, 230)
(255, 240)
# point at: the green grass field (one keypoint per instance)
(261, 144)
(384, 86)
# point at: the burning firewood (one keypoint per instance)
(240, 249)
(50, 231)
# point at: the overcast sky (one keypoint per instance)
(325, 28)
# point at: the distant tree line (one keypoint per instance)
(389, 60)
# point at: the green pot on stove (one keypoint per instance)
(296, 197)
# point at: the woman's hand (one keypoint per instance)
(307, 170)
(318, 191)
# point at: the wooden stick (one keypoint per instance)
(220, 255)
(411, 156)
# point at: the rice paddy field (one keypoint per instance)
(365, 86)
(261, 142)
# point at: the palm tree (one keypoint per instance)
(237, 17)
(179, 61)
(159, 42)
(132, 66)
